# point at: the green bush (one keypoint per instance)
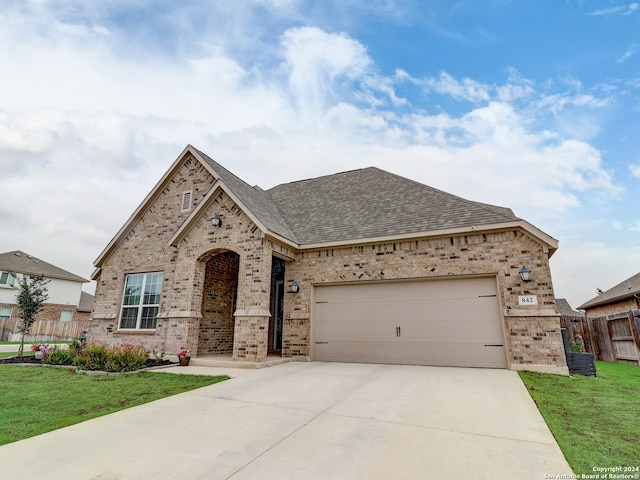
(93, 357)
(112, 359)
(126, 358)
(60, 357)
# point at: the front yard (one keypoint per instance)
(595, 420)
(36, 400)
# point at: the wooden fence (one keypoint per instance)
(611, 339)
(43, 330)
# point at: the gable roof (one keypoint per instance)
(254, 199)
(349, 207)
(626, 289)
(564, 308)
(370, 202)
(20, 262)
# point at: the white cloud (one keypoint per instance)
(618, 10)
(465, 89)
(88, 127)
(635, 170)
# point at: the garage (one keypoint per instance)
(447, 322)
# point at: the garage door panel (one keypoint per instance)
(445, 322)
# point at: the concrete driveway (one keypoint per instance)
(311, 421)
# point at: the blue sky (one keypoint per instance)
(532, 105)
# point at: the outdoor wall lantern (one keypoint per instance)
(525, 274)
(216, 221)
(294, 287)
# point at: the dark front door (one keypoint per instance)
(277, 304)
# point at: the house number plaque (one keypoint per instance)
(527, 299)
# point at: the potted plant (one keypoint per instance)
(41, 350)
(183, 357)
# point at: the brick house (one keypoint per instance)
(360, 266)
(66, 300)
(621, 298)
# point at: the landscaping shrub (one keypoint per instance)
(126, 358)
(60, 357)
(94, 357)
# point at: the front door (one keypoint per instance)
(277, 305)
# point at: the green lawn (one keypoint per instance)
(36, 400)
(26, 352)
(594, 420)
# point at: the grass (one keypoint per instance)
(594, 419)
(37, 400)
(26, 353)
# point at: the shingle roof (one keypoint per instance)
(371, 202)
(625, 289)
(86, 302)
(565, 309)
(254, 198)
(20, 262)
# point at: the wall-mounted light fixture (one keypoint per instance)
(525, 274)
(216, 221)
(294, 286)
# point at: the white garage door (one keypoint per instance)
(436, 322)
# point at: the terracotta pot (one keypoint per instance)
(184, 361)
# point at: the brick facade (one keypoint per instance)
(211, 272)
(605, 310)
(50, 311)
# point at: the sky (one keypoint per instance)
(529, 104)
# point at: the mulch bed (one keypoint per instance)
(33, 360)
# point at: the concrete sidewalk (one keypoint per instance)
(311, 421)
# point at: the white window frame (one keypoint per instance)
(69, 313)
(9, 279)
(186, 201)
(143, 303)
(4, 310)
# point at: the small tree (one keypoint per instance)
(30, 298)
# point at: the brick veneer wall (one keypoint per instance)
(50, 311)
(532, 332)
(219, 304)
(145, 248)
(622, 306)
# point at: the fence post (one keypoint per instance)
(633, 314)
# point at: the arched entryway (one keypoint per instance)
(219, 295)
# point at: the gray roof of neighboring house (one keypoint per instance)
(565, 309)
(20, 262)
(625, 289)
(86, 302)
(371, 203)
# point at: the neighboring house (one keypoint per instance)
(565, 309)
(360, 266)
(66, 300)
(620, 299)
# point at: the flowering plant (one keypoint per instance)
(45, 348)
(578, 344)
(183, 352)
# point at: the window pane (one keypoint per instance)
(152, 289)
(149, 317)
(66, 315)
(133, 289)
(129, 317)
(5, 312)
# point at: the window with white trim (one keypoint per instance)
(5, 312)
(186, 201)
(7, 279)
(66, 315)
(141, 301)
